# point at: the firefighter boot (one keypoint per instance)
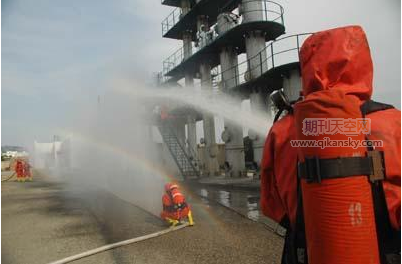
(190, 218)
(172, 222)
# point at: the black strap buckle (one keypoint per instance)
(377, 160)
(310, 170)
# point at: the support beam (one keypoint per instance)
(292, 85)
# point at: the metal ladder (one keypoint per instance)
(187, 162)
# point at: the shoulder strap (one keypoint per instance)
(371, 106)
(388, 239)
(298, 252)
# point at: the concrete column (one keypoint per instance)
(211, 149)
(192, 134)
(233, 134)
(185, 6)
(292, 85)
(259, 105)
(230, 74)
(234, 148)
(256, 56)
(187, 52)
(187, 43)
(255, 40)
(211, 161)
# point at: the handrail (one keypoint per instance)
(268, 58)
(171, 20)
(268, 62)
(195, 157)
(176, 15)
(193, 154)
(178, 56)
(173, 60)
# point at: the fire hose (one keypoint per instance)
(9, 178)
(118, 244)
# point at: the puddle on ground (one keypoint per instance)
(243, 202)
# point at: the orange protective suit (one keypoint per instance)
(174, 204)
(27, 170)
(338, 60)
(19, 170)
(278, 172)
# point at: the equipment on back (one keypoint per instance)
(343, 202)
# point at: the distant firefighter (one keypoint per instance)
(27, 171)
(175, 207)
(19, 170)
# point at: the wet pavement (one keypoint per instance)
(243, 201)
(47, 220)
(228, 183)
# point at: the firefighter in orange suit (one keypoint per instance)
(27, 171)
(337, 74)
(19, 170)
(175, 207)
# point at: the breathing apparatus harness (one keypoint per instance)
(175, 206)
(314, 170)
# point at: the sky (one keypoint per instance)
(57, 55)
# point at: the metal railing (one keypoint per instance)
(271, 12)
(173, 60)
(171, 20)
(187, 164)
(276, 53)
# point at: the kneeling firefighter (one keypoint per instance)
(175, 207)
(349, 196)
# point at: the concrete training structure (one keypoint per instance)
(215, 34)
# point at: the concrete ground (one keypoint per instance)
(45, 220)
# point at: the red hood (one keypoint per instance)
(337, 59)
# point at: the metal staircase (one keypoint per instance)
(186, 161)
